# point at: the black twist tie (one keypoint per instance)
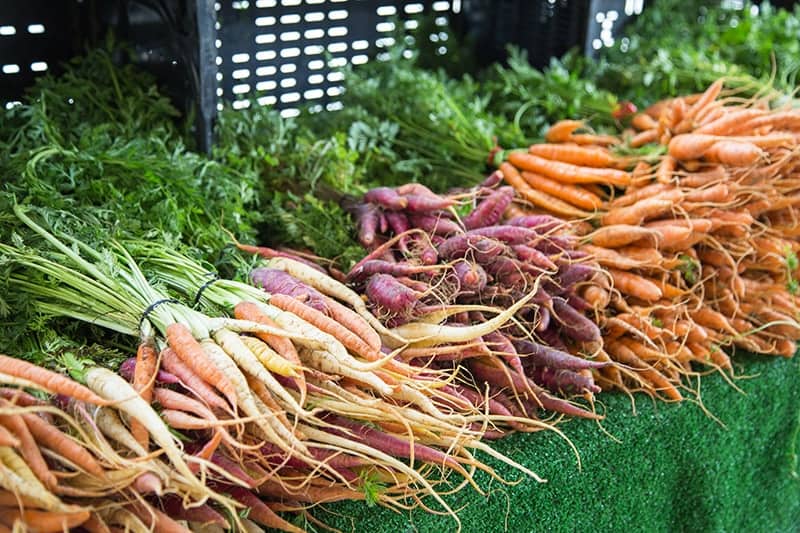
(152, 307)
(204, 286)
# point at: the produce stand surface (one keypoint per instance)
(674, 469)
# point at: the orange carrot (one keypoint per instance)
(47, 380)
(7, 438)
(702, 105)
(729, 120)
(634, 285)
(173, 364)
(593, 139)
(572, 194)
(619, 235)
(538, 198)
(95, 524)
(354, 322)
(597, 297)
(691, 145)
(561, 130)
(643, 137)
(697, 225)
(626, 356)
(734, 153)
(710, 319)
(156, 520)
(50, 437)
(43, 521)
(643, 121)
(29, 449)
(613, 259)
(189, 351)
(143, 381)
(666, 169)
(573, 154)
(648, 191)
(637, 213)
(699, 179)
(567, 173)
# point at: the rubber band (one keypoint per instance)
(203, 287)
(152, 307)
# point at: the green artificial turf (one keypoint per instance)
(676, 469)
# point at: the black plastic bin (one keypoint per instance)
(282, 52)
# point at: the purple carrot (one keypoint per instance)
(419, 203)
(203, 514)
(279, 282)
(367, 220)
(577, 303)
(383, 222)
(277, 457)
(541, 355)
(398, 222)
(490, 210)
(555, 244)
(269, 253)
(552, 337)
(414, 285)
(386, 198)
(386, 292)
(573, 323)
(541, 223)
(459, 245)
(415, 188)
(377, 266)
(427, 251)
(258, 511)
(543, 314)
(506, 234)
(433, 224)
(471, 276)
(496, 407)
(127, 369)
(574, 273)
(504, 348)
(534, 257)
(561, 380)
(492, 180)
(505, 271)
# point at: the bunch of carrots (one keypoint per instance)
(279, 407)
(698, 237)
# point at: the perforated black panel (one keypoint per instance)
(286, 52)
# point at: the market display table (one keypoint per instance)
(674, 469)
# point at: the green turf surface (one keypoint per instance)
(675, 470)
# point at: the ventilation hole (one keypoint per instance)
(440, 21)
(337, 62)
(411, 24)
(267, 100)
(220, 107)
(290, 112)
(266, 55)
(266, 3)
(316, 78)
(288, 83)
(7, 30)
(265, 38)
(434, 38)
(290, 36)
(312, 2)
(265, 21)
(266, 85)
(290, 52)
(218, 60)
(386, 11)
(413, 9)
(36, 28)
(384, 42)
(13, 104)
(241, 88)
(337, 48)
(316, 64)
(288, 68)
(240, 58)
(291, 18)
(456, 6)
(315, 109)
(220, 92)
(313, 94)
(360, 45)
(442, 50)
(240, 4)
(337, 14)
(219, 76)
(241, 104)
(218, 43)
(314, 16)
(336, 76)
(217, 7)
(266, 71)
(38, 66)
(288, 98)
(334, 106)
(10, 69)
(316, 33)
(359, 59)
(334, 91)
(291, 2)
(337, 31)
(240, 74)
(217, 25)
(383, 56)
(441, 6)
(408, 54)
(443, 36)
(384, 26)
(313, 49)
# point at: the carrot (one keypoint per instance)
(643, 121)
(643, 137)
(612, 259)
(259, 511)
(143, 381)
(189, 351)
(7, 438)
(690, 145)
(568, 173)
(47, 380)
(50, 437)
(273, 408)
(635, 285)
(156, 520)
(666, 169)
(675, 237)
(191, 381)
(597, 297)
(562, 130)
(637, 213)
(9, 499)
(593, 139)
(349, 339)
(576, 155)
(95, 524)
(29, 450)
(697, 225)
(17, 477)
(270, 359)
(695, 180)
(619, 235)
(43, 521)
(352, 321)
(730, 120)
(626, 356)
(572, 194)
(538, 198)
(710, 319)
(734, 153)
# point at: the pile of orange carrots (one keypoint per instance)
(698, 238)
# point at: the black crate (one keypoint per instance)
(283, 53)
